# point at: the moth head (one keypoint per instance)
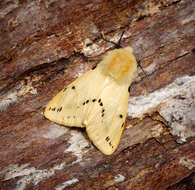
(120, 64)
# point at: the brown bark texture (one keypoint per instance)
(46, 44)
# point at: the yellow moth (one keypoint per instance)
(98, 100)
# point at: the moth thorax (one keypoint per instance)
(120, 64)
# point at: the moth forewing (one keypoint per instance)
(98, 100)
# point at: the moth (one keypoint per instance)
(98, 100)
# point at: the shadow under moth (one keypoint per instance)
(98, 100)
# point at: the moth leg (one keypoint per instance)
(89, 59)
(95, 58)
(119, 41)
(139, 65)
(117, 45)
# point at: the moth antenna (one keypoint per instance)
(119, 41)
(139, 65)
(106, 40)
(117, 45)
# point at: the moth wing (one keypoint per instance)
(107, 118)
(71, 105)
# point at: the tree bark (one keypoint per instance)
(44, 45)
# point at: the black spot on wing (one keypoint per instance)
(73, 87)
(87, 101)
(103, 112)
(59, 109)
(100, 102)
(108, 140)
(121, 116)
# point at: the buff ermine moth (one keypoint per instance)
(98, 100)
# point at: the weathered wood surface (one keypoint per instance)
(44, 45)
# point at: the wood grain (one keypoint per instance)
(44, 45)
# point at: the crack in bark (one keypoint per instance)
(40, 67)
(158, 142)
(163, 121)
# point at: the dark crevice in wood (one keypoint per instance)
(62, 61)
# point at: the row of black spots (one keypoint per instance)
(55, 109)
(107, 139)
(73, 88)
(103, 112)
(110, 143)
(87, 101)
(59, 109)
(52, 109)
(100, 102)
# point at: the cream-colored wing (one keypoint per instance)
(71, 105)
(98, 100)
(106, 120)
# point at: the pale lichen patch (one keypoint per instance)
(116, 179)
(77, 145)
(176, 103)
(186, 162)
(29, 174)
(93, 49)
(54, 131)
(189, 18)
(22, 89)
(119, 178)
(81, 70)
(8, 99)
(150, 68)
(66, 184)
(5, 10)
